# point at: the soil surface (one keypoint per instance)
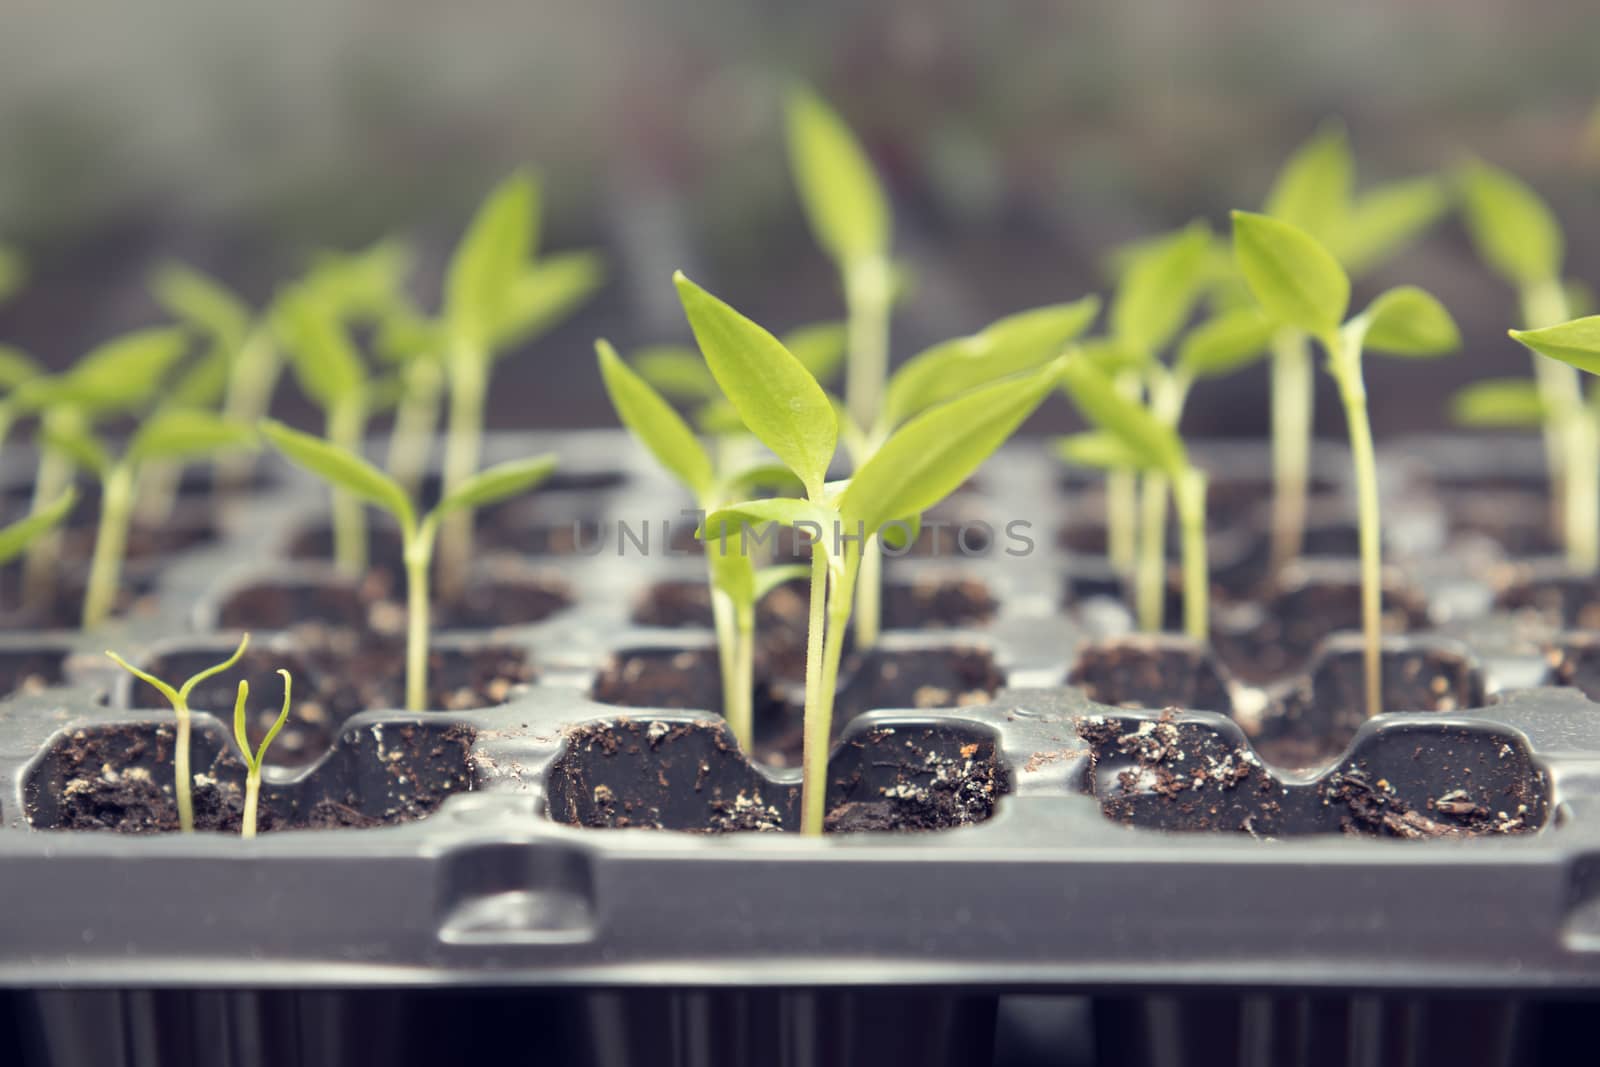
(1153, 672)
(120, 778)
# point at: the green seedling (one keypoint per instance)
(253, 760)
(1301, 285)
(119, 377)
(179, 699)
(415, 346)
(345, 470)
(497, 297)
(1314, 191)
(1131, 437)
(919, 464)
(1517, 235)
(169, 436)
(736, 584)
(17, 536)
(241, 350)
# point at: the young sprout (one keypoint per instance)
(1518, 237)
(17, 536)
(1300, 284)
(345, 470)
(497, 297)
(179, 699)
(241, 345)
(736, 584)
(253, 760)
(1314, 191)
(920, 464)
(168, 436)
(118, 377)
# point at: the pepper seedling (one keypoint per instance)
(1301, 285)
(497, 297)
(1314, 191)
(347, 471)
(179, 699)
(254, 759)
(1518, 236)
(168, 436)
(736, 584)
(920, 464)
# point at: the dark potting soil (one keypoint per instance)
(337, 674)
(119, 777)
(1151, 671)
(64, 609)
(689, 776)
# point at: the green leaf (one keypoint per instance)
(122, 374)
(839, 190)
(1514, 231)
(489, 261)
(678, 371)
(1110, 358)
(1576, 342)
(1011, 345)
(769, 578)
(16, 367)
(929, 457)
(341, 469)
(1406, 321)
(544, 294)
(776, 397)
(721, 529)
(902, 533)
(184, 434)
(1313, 189)
(15, 538)
(1294, 278)
(1156, 444)
(772, 477)
(1101, 450)
(821, 347)
(1225, 343)
(1385, 220)
(1157, 294)
(202, 302)
(74, 441)
(325, 361)
(718, 417)
(497, 483)
(733, 573)
(204, 382)
(656, 426)
(1511, 403)
(362, 286)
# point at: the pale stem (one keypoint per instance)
(346, 425)
(158, 492)
(53, 478)
(1191, 496)
(1122, 525)
(110, 543)
(415, 422)
(418, 550)
(741, 714)
(1346, 365)
(1566, 433)
(869, 594)
(869, 294)
(819, 729)
(252, 797)
(814, 755)
(1583, 485)
(1293, 393)
(251, 382)
(180, 764)
(1151, 580)
(469, 379)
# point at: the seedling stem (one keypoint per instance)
(1293, 390)
(1344, 362)
(254, 759)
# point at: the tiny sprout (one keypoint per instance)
(179, 699)
(253, 760)
(1300, 284)
(920, 464)
(346, 470)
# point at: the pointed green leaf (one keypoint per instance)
(678, 371)
(362, 286)
(656, 426)
(1156, 444)
(195, 679)
(1157, 294)
(204, 382)
(325, 360)
(776, 397)
(497, 483)
(769, 477)
(1388, 218)
(544, 294)
(202, 302)
(838, 188)
(16, 367)
(74, 441)
(900, 534)
(1406, 321)
(16, 537)
(185, 434)
(1295, 279)
(488, 262)
(1576, 342)
(1514, 231)
(821, 347)
(122, 374)
(929, 457)
(1512, 403)
(1225, 343)
(1008, 346)
(1313, 189)
(340, 469)
(1100, 450)
(724, 530)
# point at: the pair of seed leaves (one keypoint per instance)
(948, 409)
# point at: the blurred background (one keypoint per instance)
(1020, 139)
